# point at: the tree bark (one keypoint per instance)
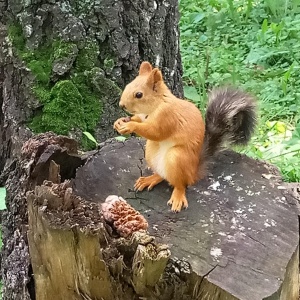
(99, 42)
(62, 68)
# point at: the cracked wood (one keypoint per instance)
(240, 230)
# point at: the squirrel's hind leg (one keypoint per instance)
(181, 171)
(178, 199)
(149, 181)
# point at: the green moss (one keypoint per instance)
(87, 56)
(91, 105)
(67, 109)
(38, 61)
(42, 93)
(109, 64)
(40, 69)
(62, 49)
(83, 7)
(16, 36)
(64, 111)
(72, 102)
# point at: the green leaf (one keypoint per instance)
(90, 137)
(2, 198)
(197, 17)
(280, 127)
(190, 92)
(264, 26)
(203, 38)
(296, 133)
(294, 148)
(294, 108)
(121, 138)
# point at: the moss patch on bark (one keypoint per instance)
(68, 83)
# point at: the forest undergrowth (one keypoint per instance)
(254, 45)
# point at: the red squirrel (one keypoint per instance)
(179, 144)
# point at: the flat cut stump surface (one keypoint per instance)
(240, 230)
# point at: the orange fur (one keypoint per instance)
(174, 130)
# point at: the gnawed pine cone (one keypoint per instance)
(125, 218)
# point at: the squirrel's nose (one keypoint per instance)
(122, 106)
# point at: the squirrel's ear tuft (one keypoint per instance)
(145, 68)
(154, 78)
(157, 76)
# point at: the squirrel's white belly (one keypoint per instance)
(158, 161)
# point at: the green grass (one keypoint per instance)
(254, 45)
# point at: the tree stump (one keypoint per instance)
(238, 239)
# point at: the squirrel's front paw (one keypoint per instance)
(121, 120)
(124, 127)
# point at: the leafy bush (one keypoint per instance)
(254, 45)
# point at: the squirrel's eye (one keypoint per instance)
(139, 95)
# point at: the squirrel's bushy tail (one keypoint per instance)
(230, 119)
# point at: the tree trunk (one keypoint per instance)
(67, 61)
(62, 69)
